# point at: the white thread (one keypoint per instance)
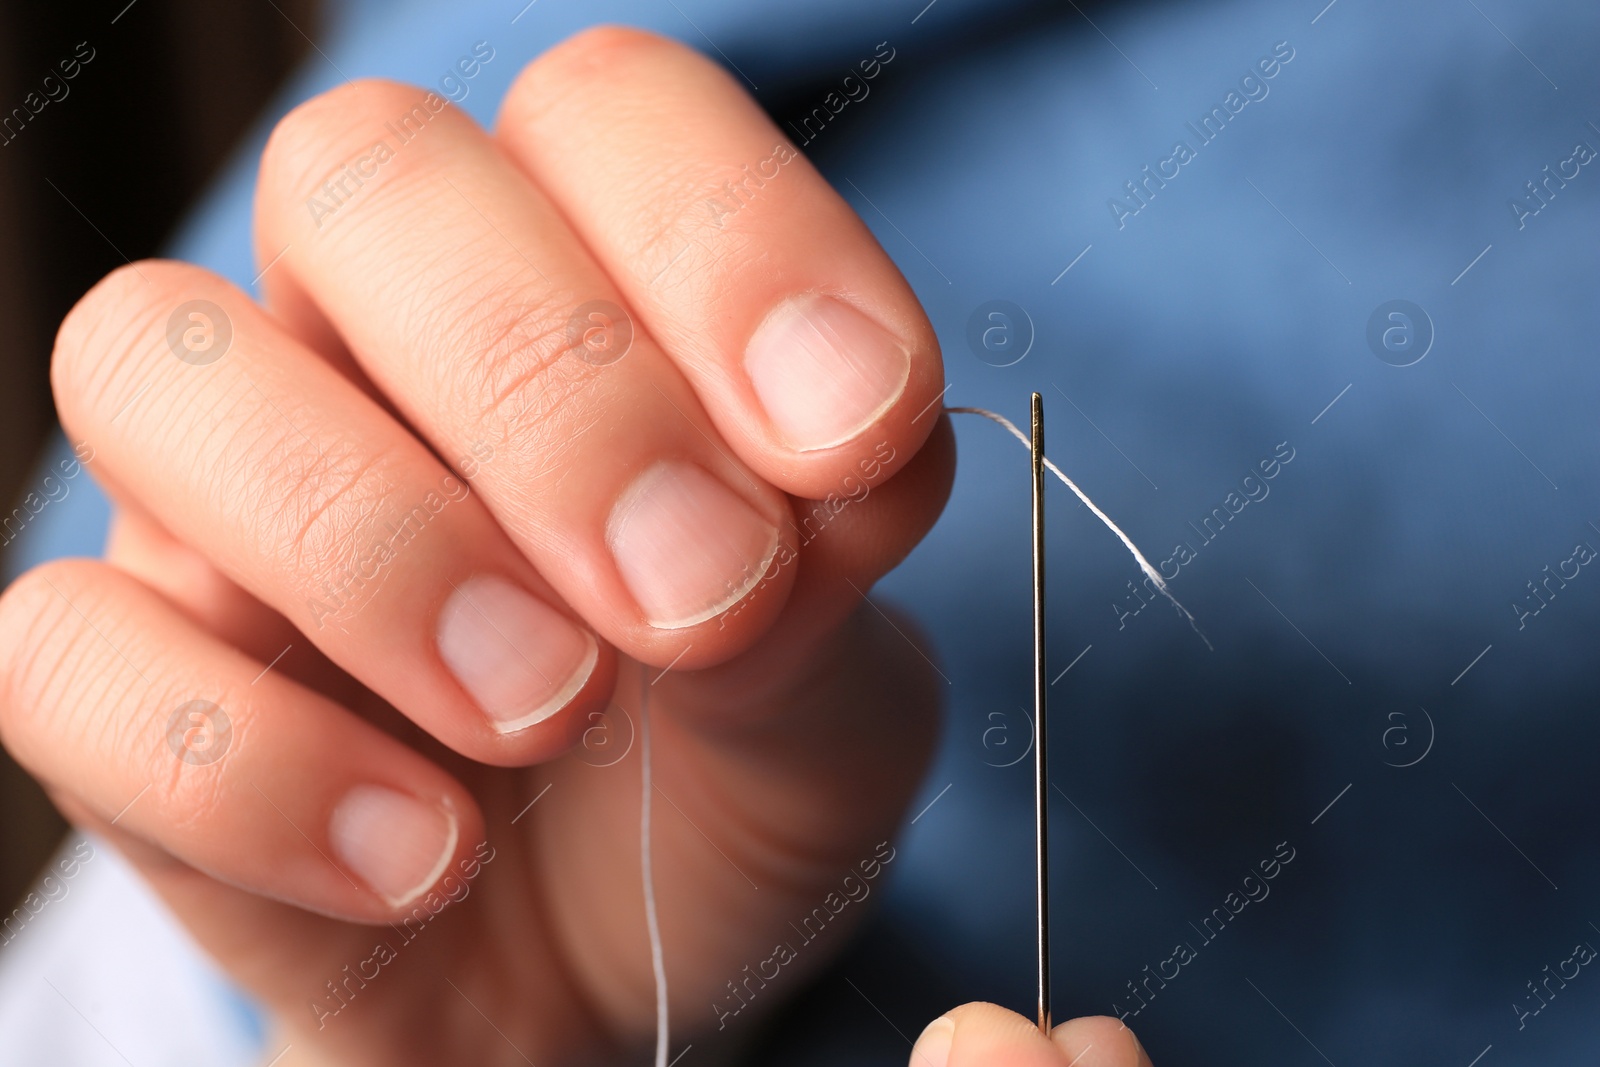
(657, 964)
(1127, 542)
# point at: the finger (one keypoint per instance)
(138, 545)
(849, 543)
(298, 488)
(1099, 1041)
(109, 695)
(801, 337)
(452, 279)
(981, 1035)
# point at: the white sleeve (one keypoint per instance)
(95, 971)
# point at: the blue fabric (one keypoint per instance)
(1361, 601)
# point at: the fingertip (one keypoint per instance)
(397, 844)
(838, 391)
(982, 1035)
(534, 674)
(934, 1044)
(826, 374)
(1099, 1041)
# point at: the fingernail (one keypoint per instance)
(933, 1047)
(394, 842)
(824, 371)
(519, 658)
(687, 546)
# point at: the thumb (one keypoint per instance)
(986, 1035)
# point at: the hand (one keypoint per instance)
(389, 548)
(983, 1035)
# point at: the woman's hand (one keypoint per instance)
(397, 557)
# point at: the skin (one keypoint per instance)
(420, 321)
(986, 1035)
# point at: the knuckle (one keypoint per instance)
(116, 331)
(186, 796)
(321, 510)
(522, 380)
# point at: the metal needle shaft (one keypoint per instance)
(1040, 686)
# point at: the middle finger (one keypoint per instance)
(453, 281)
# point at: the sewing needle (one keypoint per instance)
(1040, 687)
